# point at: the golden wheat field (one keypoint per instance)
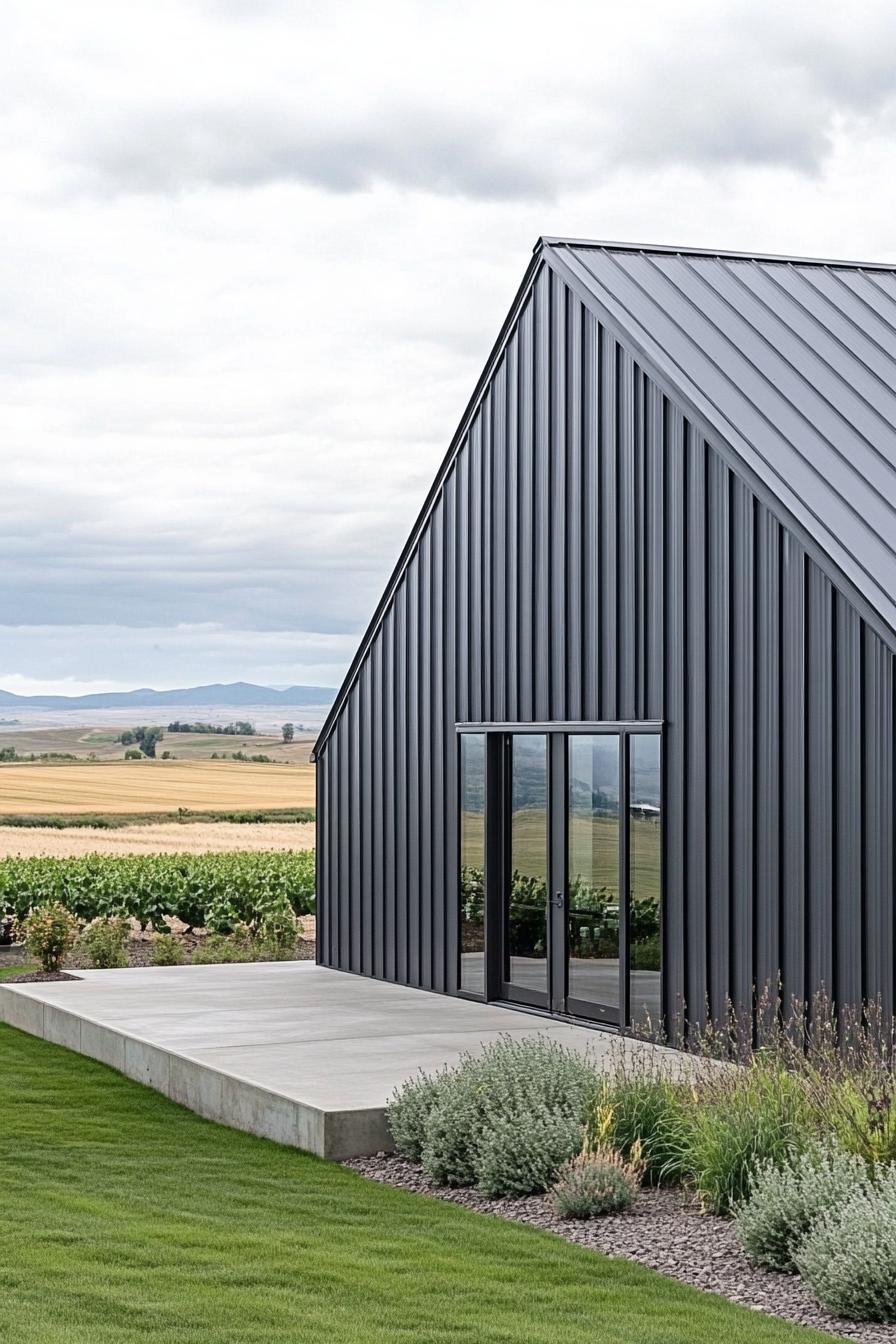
(153, 786)
(200, 837)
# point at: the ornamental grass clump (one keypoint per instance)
(505, 1120)
(848, 1257)
(785, 1201)
(49, 932)
(742, 1117)
(104, 942)
(650, 1112)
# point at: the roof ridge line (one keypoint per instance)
(669, 249)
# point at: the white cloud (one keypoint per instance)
(255, 255)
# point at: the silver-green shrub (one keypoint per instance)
(592, 1184)
(408, 1111)
(504, 1120)
(848, 1257)
(785, 1201)
(521, 1152)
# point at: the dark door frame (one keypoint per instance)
(497, 858)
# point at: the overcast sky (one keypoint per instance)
(254, 255)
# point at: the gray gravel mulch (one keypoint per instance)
(665, 1231)
(39, 978)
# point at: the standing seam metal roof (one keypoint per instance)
(790, 361)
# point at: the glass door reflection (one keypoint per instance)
(593, 909)
(644, 880)
(526, 896)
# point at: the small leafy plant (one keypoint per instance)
(167, 950)
(220, 948)
(49, 932)
(104, 942)
(592, 1184)
(277, 936)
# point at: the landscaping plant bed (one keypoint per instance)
(664, 1230)
(140, 952)
(39, 977)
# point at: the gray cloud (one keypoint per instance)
(255, 255)
(227, 146)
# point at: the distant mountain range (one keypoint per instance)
(236, 693)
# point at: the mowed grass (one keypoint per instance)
(153, 786)
(125, 1218)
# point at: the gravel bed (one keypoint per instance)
(665, 1231)
(39, 978)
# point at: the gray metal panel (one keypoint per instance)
(743, 828)
(768, 765)
(592, 551)
(822, 451)
(719, 764)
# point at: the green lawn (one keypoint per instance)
(7, 972)
(125, 1218)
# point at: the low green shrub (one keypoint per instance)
(784, 1201)
(591, 1184)
(408, 1112)
(520, 1152)
(504, 1121)
(848, 1257)
(220, 948)
(49, 932)
(104, 942)
(167, 950)
(276, 937)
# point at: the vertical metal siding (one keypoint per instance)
(590, 554)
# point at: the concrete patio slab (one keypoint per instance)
(291, 1051)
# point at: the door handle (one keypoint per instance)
(558, 900)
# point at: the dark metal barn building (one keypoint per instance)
(620, 736)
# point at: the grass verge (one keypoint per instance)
(127, 1218)
(9, 972)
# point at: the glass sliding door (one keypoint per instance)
(644, 795)
(526, 892)
(593, 906)
(560, 891)
(472, 863)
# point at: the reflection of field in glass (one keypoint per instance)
(594, 843)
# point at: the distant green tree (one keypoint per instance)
(289, 732)
(126, 738)
(147, 738)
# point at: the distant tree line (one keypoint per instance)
(8, 754)
(239, 729)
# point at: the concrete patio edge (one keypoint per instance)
(215, 1094)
